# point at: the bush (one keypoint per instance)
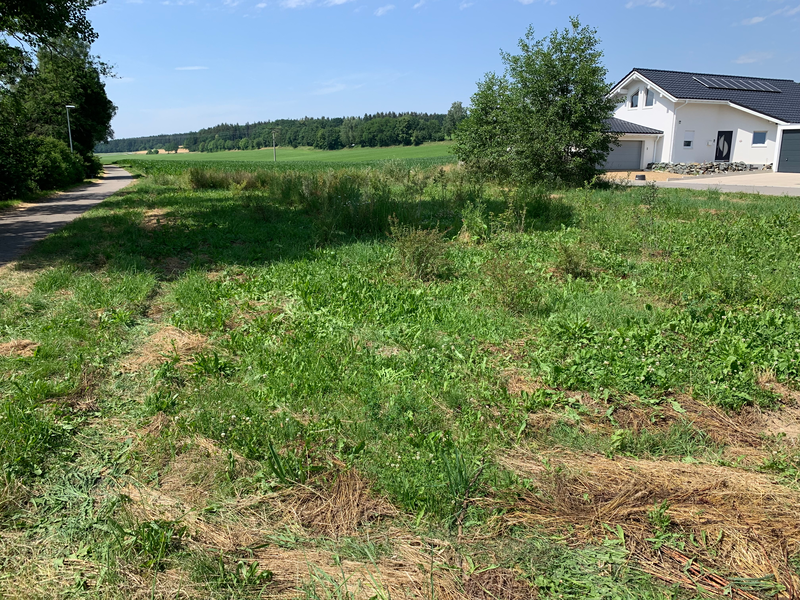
(54, 165)
(92, 167)
(421, 251)
(515, 285)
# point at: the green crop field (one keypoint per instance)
(375, 381)
(348, 155)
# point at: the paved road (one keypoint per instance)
(768, 184)
(22, 227)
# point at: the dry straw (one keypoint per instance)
(740, 523)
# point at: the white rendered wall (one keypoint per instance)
(707, 120)
(658, 116)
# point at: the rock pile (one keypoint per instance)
(706, 168)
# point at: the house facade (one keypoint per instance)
(678, 117)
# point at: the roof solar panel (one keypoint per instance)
(749, 85)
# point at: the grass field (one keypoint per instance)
(348, 155)
(394, 383)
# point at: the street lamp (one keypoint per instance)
(69, 129)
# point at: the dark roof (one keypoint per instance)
(783, 106)
(620, 126)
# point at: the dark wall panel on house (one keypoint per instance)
(789, 161)
(626, 157)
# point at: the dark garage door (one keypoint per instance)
(789, 161)
(626, 157)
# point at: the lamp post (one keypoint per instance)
(69, 129)
(274, 148)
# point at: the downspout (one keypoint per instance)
(672, 142)
(655, 146)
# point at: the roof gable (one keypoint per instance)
(779, 99)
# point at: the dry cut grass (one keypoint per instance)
(166, 342)
(738, 522)
(24, 348)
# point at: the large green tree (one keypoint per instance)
(545, 118)
(67, 74)
(44, 65)
(28, 25)
(455, 115)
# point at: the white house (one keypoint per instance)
(676, 117)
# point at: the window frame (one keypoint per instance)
(635, 95)
(761, 144)
(649, 98)
(688, 136)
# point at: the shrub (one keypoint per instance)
(54, 165)
(92, 167)
(208, 179)
(421, 251)
(473, 219)
(572, 261)
(515, 285)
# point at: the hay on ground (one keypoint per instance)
(165, 343)
(743, 523)
(498, 584)
(23, 348)
(338, 509)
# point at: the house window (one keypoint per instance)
(759, 138)
(688, 139)
(635, 100)
(649, 98)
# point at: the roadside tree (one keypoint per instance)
(545, 118)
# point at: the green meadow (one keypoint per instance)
(304, 154)
(395, 380)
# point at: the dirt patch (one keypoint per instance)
(518, 381)
(172, 266)
(498, 584)
(623, 176)
(156, 218)
(711, 211)
(742, 523)
(165, 343)
(23, 348)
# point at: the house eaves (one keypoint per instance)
(779, 103)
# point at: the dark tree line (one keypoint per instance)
(45, 65)
(380, 129)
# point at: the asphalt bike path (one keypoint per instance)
(22, 227)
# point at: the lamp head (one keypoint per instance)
(70, 106)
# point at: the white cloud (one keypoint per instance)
(330, 88)
(191, 68)
(261, 5)
(419, 4)
(648, 4)
(304, 3)
(384, 9)
(753, 57)
(464, 5)
(753, 20)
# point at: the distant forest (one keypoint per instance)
(381, 129)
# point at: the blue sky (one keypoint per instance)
(188, 64)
